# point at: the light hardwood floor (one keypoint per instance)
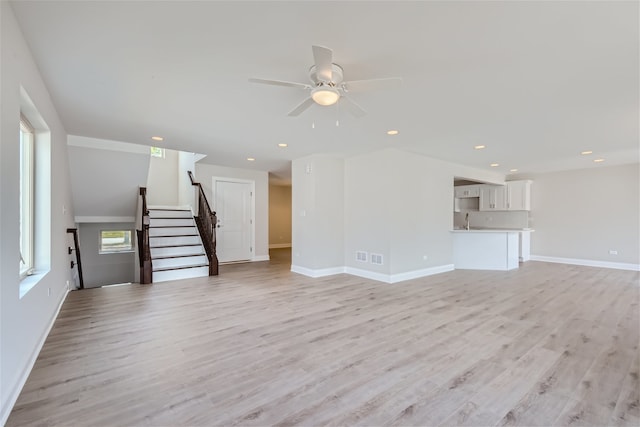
(547, 344)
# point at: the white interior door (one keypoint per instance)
(235, 219)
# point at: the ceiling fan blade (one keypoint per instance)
(372, 84)
(323, 58)
(280, 83)
(353, 108)
(300, 108)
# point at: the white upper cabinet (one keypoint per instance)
(518, 195)
(493, 198)
(465, 191)
(513, 196)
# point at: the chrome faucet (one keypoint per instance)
(466, 221)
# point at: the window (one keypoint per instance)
(112, 241)
(27, 180)
(157, 152)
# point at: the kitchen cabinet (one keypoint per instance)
(518, 195)
(493, 198)
(465, 191)
(513, 196)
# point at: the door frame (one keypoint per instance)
(252, 228)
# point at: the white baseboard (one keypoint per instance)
(399, 277)
(317, 273)
(256, 258)
(279, 245)
(587, 262)
(15, 392)
(380, 277)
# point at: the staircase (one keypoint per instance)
(176, 248)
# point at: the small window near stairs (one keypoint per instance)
(157, 152)
(113, 241)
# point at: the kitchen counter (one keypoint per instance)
(486, 249)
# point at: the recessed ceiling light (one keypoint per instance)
(479, 147)
(392, 132)
(584, 153)
(282, 145)
(251, 159)
(494, 165)
(157, 138)
(513, 170)
(599, 160)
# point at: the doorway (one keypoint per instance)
(235, 209)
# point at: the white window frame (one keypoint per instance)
(116, 251)
(159, 155)
(27, 192)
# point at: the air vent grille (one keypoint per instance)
(361, 256)
(377, 259)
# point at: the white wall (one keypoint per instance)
(105, 269)
(400, 205)
(204, 174)
(279, 215)
(582, 214)
(186, 191)
(105, 177)
(318, 213)
(162, 181)
(25, 321)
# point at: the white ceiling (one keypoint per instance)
(536, 82)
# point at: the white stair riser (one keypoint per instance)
(171, 214)
(171, 222)
(172, 231)
(178, 250)
(179, 262)
(172, 241)
(186, 273)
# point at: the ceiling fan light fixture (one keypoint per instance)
(325, 95)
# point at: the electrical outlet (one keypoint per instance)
(68, 285)
(613, 252)
(48, 292)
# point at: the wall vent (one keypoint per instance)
(376, 259)
(361, 256)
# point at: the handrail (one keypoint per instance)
(206, 221)
(144, 247)
(76, 248)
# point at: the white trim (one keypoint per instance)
(279, 245)
(380, 277)
(317, 273)
(106, 144)
(22, 379)
(81, 219)
(416, 274)
(399, 277)
(260, 258)
(587, 262)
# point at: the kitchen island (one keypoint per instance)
(486, 249)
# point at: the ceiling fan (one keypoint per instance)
(327, 87)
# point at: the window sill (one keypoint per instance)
(30, 281)
(128, 251)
